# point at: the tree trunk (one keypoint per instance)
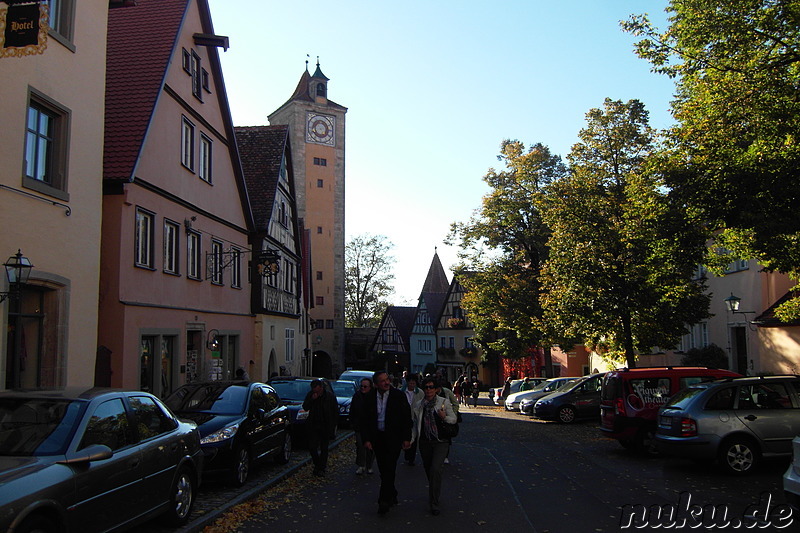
(627, 337)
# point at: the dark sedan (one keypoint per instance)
(344, 390)
(239, 421)
(93, 460)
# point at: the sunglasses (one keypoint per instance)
(364, 386)
(430, 386)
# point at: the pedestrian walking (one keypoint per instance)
(364, 457)
(476, 391)
(323, 414)
(506, 388)
(466, 392)
(431, 414)
(457, 387)
(414, 396)
(386, 429)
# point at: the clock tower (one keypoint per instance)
(316, 126)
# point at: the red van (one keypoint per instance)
(631, 397)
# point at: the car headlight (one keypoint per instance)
(302, 414)
(544, 402)
(223, 434)
(344, 409)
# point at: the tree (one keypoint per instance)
(736, 148)
(368, 278)
(502, 249)
(711, 356)
(622, 257)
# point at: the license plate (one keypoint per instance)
(665, 422)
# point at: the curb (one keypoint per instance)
(200, 523)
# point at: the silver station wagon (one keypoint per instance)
(736, 421)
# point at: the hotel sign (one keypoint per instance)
(23, 28)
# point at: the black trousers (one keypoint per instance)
(387, 452)
(318, 440)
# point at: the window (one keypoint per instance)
(329, 324)
(289, 345)
(319, 230)
(151, 420)
(443, 342)
(320, 184)
(319, 274)
(320, 300)
(46, 147)
(216, 262)
(144, 239)
(321, 161)
(452, 342)
(187, 61)
(205, 158)
(171, 250)
(187, 144)
(193, 255)
(319, 324)
(284, 217)
(205, 82)
(61, 16)
(197, 76)
(236, 268)
(109, 426)
(321, 89)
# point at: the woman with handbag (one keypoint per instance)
(435, 423)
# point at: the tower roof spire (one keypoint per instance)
(318, 73)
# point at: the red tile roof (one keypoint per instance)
(141, 39)
(261, 150)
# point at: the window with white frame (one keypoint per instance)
(236, 268)
(205, 159)
(216, 262)
(193, 257)
(289, 345)
(171, 247)
(197, 77)
(187, 144)
(60, 17)
(144, 238)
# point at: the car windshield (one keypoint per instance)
(37, 426)
(345, 389)
(291, 390)
(682, 398)
(219, 399)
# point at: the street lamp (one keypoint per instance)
(732, 305)
(18, 271)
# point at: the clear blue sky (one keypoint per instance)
(432, 89)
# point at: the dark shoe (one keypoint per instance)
(435, 512)
(383, 507)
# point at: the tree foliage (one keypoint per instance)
(711, 356)
(736, 148)
(621, 256)
(503, 247)
(368, 280)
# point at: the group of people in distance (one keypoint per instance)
(466, 388)
(387, 420)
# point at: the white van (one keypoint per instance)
(356, 376)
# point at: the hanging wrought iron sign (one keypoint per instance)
(23, 28)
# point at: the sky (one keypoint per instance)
(432, 89)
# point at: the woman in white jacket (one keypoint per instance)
(428, 415)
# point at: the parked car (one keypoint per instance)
(240, 422)
(631, 397)
(92, 460)
(578, 399)
(496, 395)
(356, 376)
(513, 402)
(736, 421)
(293, 390)
(791, 478)
(344, 390)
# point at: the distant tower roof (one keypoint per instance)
(437, 279)
(318, 73)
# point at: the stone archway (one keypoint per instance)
(321, 365)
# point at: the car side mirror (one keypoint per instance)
(95, 452)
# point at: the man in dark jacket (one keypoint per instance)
(386, 429)
(323, 413)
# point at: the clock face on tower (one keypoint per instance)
(319, 129)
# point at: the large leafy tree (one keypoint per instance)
(368, 280)
(735, 151)
(622, 257)
(503, 247)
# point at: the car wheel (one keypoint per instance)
(566, 414)
(37, 524)
(241, 466)
(181, 499)
(286, 450)
(738, 456)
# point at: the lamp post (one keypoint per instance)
(732, 306)
(18, 272)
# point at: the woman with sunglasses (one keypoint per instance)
(430, 413)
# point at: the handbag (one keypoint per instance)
(446, 431)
